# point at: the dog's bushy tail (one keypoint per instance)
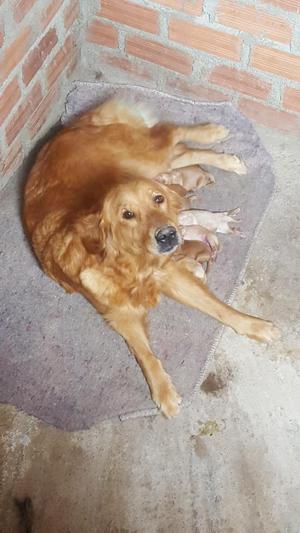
(124, 112)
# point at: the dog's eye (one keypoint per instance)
(158, 198)
(128, 214)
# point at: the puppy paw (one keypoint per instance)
(236, 165)
(204, 179)
(199, 272)
(222, 221)
(195, 266)
(167, 399)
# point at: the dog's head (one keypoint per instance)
(140, 216)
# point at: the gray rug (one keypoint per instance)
(58, 359)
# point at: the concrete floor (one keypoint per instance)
(228, 464)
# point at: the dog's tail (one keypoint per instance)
(121, 112)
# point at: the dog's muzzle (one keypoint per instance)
(167, 239)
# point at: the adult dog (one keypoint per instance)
(102, 226)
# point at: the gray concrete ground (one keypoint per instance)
(228, 464)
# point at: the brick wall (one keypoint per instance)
(241, 50)
(38, 53)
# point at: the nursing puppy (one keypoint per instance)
(102, 226)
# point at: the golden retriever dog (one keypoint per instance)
(101, 225)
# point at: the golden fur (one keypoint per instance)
(91, 175)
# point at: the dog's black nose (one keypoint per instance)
(166, 238)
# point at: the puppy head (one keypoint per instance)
(140, 216)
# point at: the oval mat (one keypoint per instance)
(58, 359)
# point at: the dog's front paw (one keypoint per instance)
(166, 398)
(266, 332)
(263, 331)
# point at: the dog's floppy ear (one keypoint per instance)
(105, 237)
(103, 229)
(87, 227)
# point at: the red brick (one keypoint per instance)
(291, 99)
(38, 55)
(122, 63)
(12, 160)
(287, 5)
(40, 115)
(103, 34)
(9, 98)
(71, 13)
(269, 116)
(60, 60)
(276, 62)
(14, 53)
(240, 81)
(253, 21)
(73, 63)
(159, 54)
(23, 112)
(21, 8)
(212, 41)
(142, 18)
(194, 89)
(50, 11)
(191, 7)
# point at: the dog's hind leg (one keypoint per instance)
(201, 133)
(184, 156)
